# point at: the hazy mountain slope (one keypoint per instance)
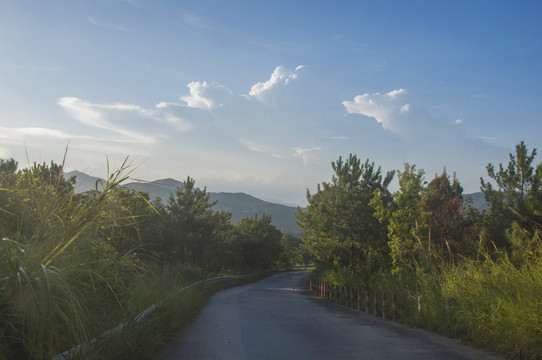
(84, 182)
(243, 205)
(477, 200)
(159, 188)
(239, 204)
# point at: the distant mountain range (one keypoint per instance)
(240, 205)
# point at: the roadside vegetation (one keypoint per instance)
(458, 271)
(73, 266)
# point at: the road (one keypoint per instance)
(277, 318)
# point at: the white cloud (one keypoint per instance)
(180, 124)
(96, 115)
(458, 122)
(15, 134)
(395, 93)
(384, 108)
(194, 20)
(259, 148)
(280, 76)
(105, 25)
(206, 95)
(306, 154)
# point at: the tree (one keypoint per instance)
(8, 172)
(444, 201)
(512, 195)
(190, 220)
(258, 242)
(407, 221)
(514, 182)
(340, 227)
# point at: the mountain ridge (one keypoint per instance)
(239, 204)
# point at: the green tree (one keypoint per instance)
(8, 176)
(514, 196)
(406, 219)
(443, 199)
(190, 221)
(340, 226)
(258, 242)
(8, 172)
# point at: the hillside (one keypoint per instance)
(238, 204)
(477, 200)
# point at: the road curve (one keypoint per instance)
(277, 318)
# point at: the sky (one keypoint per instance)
(262, 96)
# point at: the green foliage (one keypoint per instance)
(340, 227)
(406, 220)
(52, 279)
(443, 200)
(190, 219)
(457, 271)
(514, 195)
(258, 242)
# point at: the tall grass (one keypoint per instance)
(67, 278)
(57, 290)
(498, 305)
(492, 303)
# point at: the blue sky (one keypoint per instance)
(260, 97)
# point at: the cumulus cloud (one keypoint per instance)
(384, 108)
(458, 122)
(206, 95)
(281, 76)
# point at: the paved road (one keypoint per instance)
(277, 318)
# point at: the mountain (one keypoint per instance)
(477, 200)
(240, 205)
(156, 189)
(84, 182)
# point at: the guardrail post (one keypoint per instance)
(375, 304)
(384, 298)
(359, 299)
(367, 301)
(394, 307)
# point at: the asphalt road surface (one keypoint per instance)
(277, 318)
